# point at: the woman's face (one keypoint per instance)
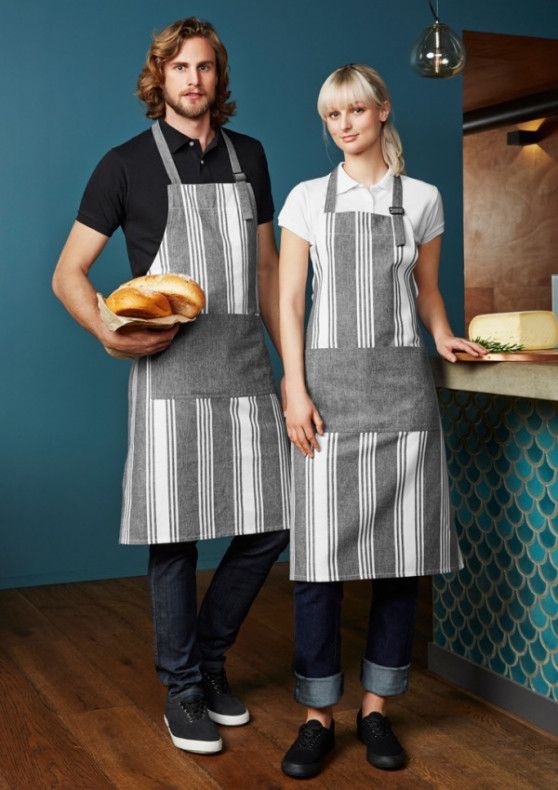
(356, 127)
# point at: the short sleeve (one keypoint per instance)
(431, 222)
(103, 204)
(295, 215)
(262, 188)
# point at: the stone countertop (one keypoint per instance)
(519, 379)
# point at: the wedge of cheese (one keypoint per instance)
(533, 329)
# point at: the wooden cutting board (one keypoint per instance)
(547, 356)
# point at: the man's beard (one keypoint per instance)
(194, 112)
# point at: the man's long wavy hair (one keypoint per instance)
(164, 47)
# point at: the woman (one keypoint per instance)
(371, 494)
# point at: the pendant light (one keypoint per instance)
(439, 52)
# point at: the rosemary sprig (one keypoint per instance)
(496, 347)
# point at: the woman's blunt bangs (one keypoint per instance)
(360, 83)
(346, 86)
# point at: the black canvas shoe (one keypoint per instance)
(305, 757)
(383, 750)
(222, 706)
(190, 727)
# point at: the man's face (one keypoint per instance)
(191, 79)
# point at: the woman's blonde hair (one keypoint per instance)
(164, 47)
(356, 82)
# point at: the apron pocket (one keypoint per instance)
(373, 389)
(218, 354)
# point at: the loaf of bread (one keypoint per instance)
(184, 294)
(157, 296)
(135, 303)
(532, 329)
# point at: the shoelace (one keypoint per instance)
(194, 709)
(218, 682)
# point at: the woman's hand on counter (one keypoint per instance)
(447, 344)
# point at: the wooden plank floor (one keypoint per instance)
(82, 707)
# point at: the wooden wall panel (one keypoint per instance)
(510, 221)
(501, 67)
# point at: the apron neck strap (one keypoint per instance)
(235, 164)
(396, 210)
(397, 196)
(170, 166)
(165, 153)
(331, 194)
(244, 191)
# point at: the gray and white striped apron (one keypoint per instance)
(207, 449)
(374, 502)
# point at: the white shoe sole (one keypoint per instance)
(199, 747)
(229, 721)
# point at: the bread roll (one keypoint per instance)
(184, 294)
(137, 303)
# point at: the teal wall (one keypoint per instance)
(501, 610)
(69, 72)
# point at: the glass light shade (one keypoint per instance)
(438, 53)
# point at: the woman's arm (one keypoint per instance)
(268, 282)
(430, 305)
(300, 413)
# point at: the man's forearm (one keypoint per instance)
(78, 296)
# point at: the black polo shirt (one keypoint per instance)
(128, 188)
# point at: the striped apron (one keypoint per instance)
(374, 502)
(207, 449)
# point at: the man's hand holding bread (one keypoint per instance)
(149, 297)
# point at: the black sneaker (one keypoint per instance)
(306, 756)
(222, 706)
(190, 727)
(383, 750)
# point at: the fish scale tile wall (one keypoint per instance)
(501, 610)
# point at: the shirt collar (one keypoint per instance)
(176, 140)
(345, 182)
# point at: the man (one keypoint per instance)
(207, 453)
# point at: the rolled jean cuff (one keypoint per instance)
(384, 681)
(318, 692)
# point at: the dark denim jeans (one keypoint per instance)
(386, 662)
(185, 641)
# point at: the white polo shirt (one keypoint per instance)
(423, 218)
